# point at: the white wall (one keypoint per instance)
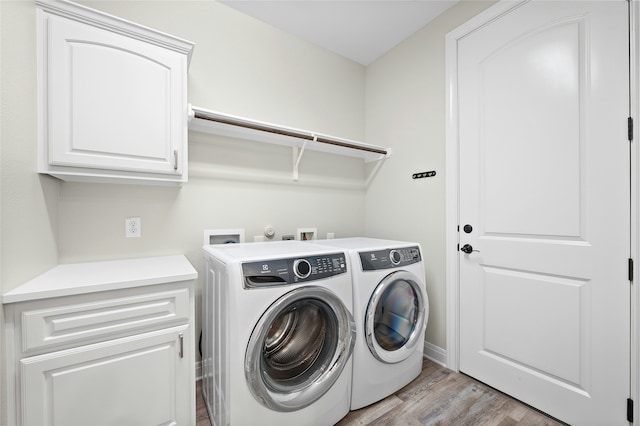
(405, 109)
(243, 67)
(247, 68)
(28, 208)
(239, 66)
(29, 202)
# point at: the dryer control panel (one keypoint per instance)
(389, 258)
(275, 272)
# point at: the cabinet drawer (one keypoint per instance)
(78, 323)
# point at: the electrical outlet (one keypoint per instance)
(132, 227)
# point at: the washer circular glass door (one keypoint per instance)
(395, 317)
(299, 348)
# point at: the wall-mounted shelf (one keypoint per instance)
(207, 121)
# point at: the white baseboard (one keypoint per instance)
(198, 370)
(435, 353)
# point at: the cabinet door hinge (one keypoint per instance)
(630, 128)
(630, 410)
(630, 269)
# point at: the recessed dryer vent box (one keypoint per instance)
(223, 236)
(306, 234)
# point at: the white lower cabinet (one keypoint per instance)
(138, 380)
(123, 357)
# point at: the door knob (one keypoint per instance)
(467, 248)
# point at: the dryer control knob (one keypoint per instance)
(395, 257)
(302, 268)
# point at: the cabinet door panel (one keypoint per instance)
(115, 102)
(136, 380)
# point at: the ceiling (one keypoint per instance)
(361, 30)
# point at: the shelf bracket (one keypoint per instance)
(374, 171)
(297, 156)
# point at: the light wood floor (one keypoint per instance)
(437, 397)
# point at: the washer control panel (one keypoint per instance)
(389, 258)
(274, 272)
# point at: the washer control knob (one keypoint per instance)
(301, 268)
(395, 257)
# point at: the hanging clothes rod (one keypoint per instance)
(278, 130)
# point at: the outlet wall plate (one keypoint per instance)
(223, 236)
(132, 227)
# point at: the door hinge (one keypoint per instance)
(630, 269)
(630, 128)
(630, 410)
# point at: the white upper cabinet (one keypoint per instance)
(112, 98)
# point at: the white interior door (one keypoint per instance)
(544, 181)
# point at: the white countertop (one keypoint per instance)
(91, 277)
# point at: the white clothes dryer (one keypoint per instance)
(278, 334)
(391, 310)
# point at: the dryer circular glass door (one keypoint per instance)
(395, 317)
(299, 348)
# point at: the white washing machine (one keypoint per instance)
(391, 310)
(278, 334)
